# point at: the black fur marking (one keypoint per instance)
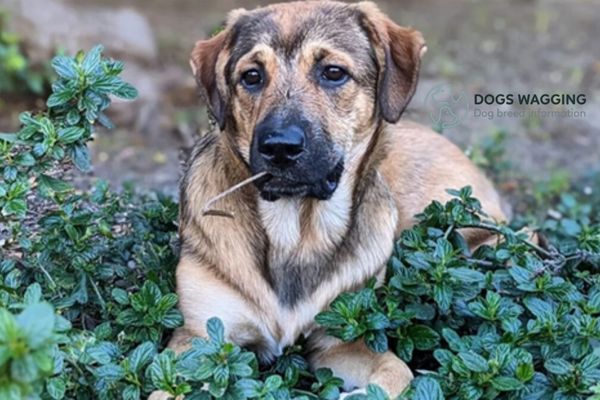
(293, 282)
(202, 145)
(246, 33)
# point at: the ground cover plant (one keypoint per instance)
(87, 297)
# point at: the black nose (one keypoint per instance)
(282, 147)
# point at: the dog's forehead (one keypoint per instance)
(287, 27)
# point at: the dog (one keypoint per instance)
(309, 94)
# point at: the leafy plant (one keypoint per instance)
(87, 297)
(16, 73)
(512, 321)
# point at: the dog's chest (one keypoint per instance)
(303, 238)
(313, 256)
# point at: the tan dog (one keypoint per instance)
(311, 93)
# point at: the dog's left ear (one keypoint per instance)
(204, 66)
(399, 51)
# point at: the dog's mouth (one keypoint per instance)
(274, 187)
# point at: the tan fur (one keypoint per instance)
(392, 171)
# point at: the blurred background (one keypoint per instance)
(514, 46)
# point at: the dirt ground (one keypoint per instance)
(485, 47)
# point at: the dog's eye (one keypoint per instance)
(334, 75)
(252, 78)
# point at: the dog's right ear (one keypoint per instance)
(204, 66)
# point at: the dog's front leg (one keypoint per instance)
(359, 366)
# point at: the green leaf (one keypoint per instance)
(443, 356)
(221, 374)
(405, 348)
(60, 97)
(142, 355)
(594, 302)
(56, 388)
(558, 366)
(37, 323)
(120, 296)
(73, 116)
(10, 173)
(81, 157)
(172, 319)
(167, 302)
(503, 254)
(8, 325)
(107, 84)
(474, 361)
(418, 260)
(131, 392)
(466, 275)
(570, 226)
(375, 392)
(442, 294)
(539, 308)
(249, 387)
(454, 341)
(112, 372)
(91, 61)
(525, 372)
(126, 91)
(377, 320)
(33, 294)
(470, 392)
(590, 362)
(330, 319)
(240, 369)
(103, 352)
(65, 67)
(423, 337)
(443, 249)
(424, 312)
(25, 159)
(215, 330)
(506, 383)
(70, 134)
(55, 184)
(273, 382)
(377, 341)
(427, 389)
(520, 275)
(24, 369)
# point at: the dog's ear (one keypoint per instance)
(399, 51)
(204, 66)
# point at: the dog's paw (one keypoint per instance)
(160, 395)
(352, 393)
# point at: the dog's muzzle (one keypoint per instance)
(299, 159)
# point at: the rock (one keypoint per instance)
(48, 25)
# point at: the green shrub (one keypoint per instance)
(16, 73)
(87, 293)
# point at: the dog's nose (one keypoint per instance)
(282, 147)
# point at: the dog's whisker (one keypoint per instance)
(208, 211)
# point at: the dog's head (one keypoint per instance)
(297, 87)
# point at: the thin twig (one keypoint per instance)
(206, 211)
(48, 276)
(97, 291)
(449, 231)
(483, 263)
(493, 228)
